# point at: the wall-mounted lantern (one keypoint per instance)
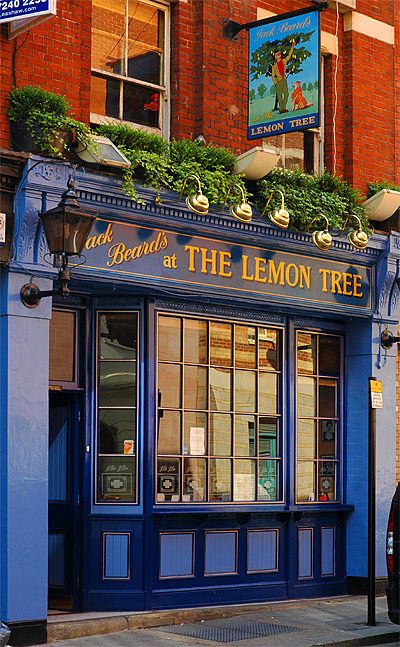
(66, 228)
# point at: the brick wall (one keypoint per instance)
(209, 78)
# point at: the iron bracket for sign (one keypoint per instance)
(231, 29)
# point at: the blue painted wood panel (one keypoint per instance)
(221, 553)
(58, 427)
(176, 554)
(262, 550)
(56, 559)
(305, 552)
(116, 555)
(328, 551)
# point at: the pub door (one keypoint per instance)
(64, 500)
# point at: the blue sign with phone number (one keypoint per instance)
(16, 9)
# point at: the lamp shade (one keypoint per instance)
(67, 226)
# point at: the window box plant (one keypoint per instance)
(41, 122)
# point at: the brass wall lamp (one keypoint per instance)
(356, 237)
(196, 202)
(321, 239)
(279, 217)
(242, 211)
(66, 228)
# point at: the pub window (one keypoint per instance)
(116, 469)
(318, 422)
(219, 434)
(129, 62)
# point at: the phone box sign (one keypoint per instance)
(18, 9)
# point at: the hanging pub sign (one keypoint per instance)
(284, 74)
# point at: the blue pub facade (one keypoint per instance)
(190, 426)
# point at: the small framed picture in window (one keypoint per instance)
(328, 428)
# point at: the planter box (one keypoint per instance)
(22, 140)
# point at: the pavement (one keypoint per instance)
(303, 623)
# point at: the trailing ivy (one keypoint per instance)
(163, 165)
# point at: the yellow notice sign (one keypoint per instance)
(375, 387)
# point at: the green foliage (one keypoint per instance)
(261, 90)
(48, 120)
(375, 187)
(263, 58)
(307, 196)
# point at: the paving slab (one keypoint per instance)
(301, 623)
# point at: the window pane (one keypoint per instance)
(268, 349)
(268, 481)
(117, 479)
(220, 480)
(194, 479)
(306, 481)
(220, 389)
(306, 396)
(220, 344)
(196, 341)
(245, 480)
(327, 481)
(306, 446)
(245, 347)
(168, 479)
(108, 36)
(169, 339)
(245, 436)
(327, 398)
(169, 385)
(104, 96)
(267, 437)
(117, 431)
(195, 434)
(117, 384)
(268, 392)
(327, 439)
(306, 353)
(220, 443)
(62, 346)
(117, 335)
(329, 355)
(141, 105)
(169, 432)
(145, 32)
(195, 387)
(245, 391)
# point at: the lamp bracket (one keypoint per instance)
(388, 339)
(31, 294)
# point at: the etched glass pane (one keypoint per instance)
(116, 479)
(194, 479)
(168, 479)
(327, 481)
(244, 480)
(220, 480)
(268, 481)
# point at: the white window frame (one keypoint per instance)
(164, 89)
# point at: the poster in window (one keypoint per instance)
(284, 74)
